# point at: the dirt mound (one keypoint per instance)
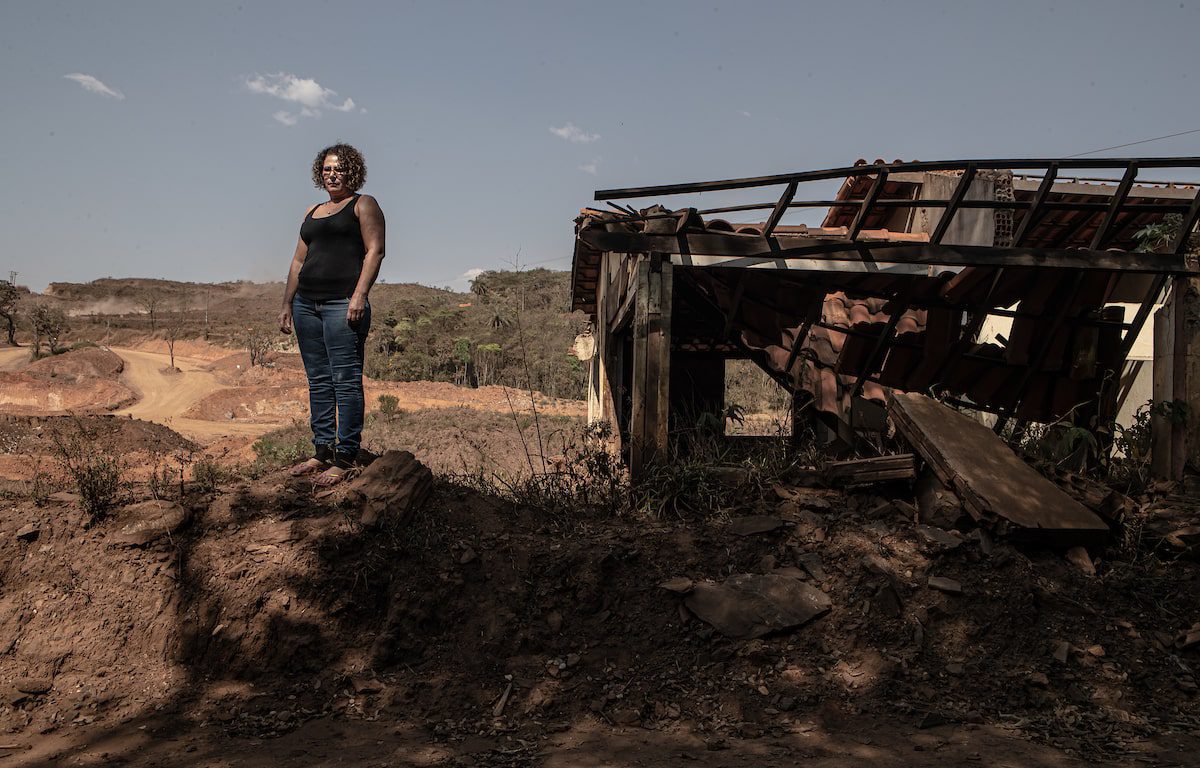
(26, 393)
(27, 441)
(476, 618)
(87, 362)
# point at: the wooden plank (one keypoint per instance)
(637, 421)
(658, 359)
(990, 479)
(860, 218)
(863, 170)
(693, 245)
(1105, 230)
(956, 199)
(780, 208)
(1180, 243)
(1036, 211)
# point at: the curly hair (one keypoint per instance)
(351, 162)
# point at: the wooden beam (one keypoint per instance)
(1180, 244)
(860, 218)
(780, 208)
(871, 169)
(1104, 232)
(1035, 211)
(956, 199)
(696, 245)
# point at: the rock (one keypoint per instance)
(679, 585)
(366, 685)
(1184, 538)
(34, 686)
(1096, 650)
(394, 485)
(932, 720)
(748, 605)
(626, 716)
(811, 562)
(754, 524)
(28, 532)
(468, 556)
(936, 505)
(1078, 556)
(64, 497)
(938, 538)
(1038, 679)
(944, 584)
(149, 521)
(1189, 638)
(554, 621)
(1062, 652)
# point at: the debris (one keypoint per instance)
(752, 524)
(873, 470)
(938, 538)
(1184, 538)
(679, 585)
(28, 532)
(811, 562)
(1078, 556)
(749, 605)
(1096, 650)
(366, 685)
(468, 556)
(1062, 652)
(991, 480)
(1038, 679)
(64, 497)
(945, 584)
(498, 710)
(395, 483)
(554, 621)
(936, 504)
(1189, 638)
(34, 686)
(932, 720)
(149, 521)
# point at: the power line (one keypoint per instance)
(1135, 143)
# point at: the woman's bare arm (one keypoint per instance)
(370, 218)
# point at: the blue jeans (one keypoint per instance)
(332, 351)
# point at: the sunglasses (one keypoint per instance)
(329, 170)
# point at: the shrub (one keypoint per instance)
(96, 474)
(389, 405)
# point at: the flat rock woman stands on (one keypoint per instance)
(336, 262)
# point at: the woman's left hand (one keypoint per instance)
(357, 308)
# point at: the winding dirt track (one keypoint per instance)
(164, 396)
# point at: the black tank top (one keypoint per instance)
(335, 254)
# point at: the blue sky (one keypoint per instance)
(172, 139)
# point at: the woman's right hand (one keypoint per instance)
(285, 320)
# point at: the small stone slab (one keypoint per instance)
(746, 605)
(34, 686)
(945, 584)
(754, 524)
(679, 585)
(149, 521)
(28, 532)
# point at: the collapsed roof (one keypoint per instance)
(893, 289)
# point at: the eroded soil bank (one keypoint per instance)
(262, 625)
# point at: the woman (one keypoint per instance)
(336, 262)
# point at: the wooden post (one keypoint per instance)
(1176, 423)
(649, 428)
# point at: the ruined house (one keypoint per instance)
(1008, 287)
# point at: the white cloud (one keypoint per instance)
(93, 85)
(309, 95)
(471, 274)
(574, 134)
(744, 113)
(591, 167)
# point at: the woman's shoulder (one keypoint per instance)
(366, 203)
(308, 211)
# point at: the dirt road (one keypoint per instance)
(165, 395)
(12, 358)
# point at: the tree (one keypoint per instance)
(49, 323)
(259, 342)
(172, 329)
(9, 295)
(150, 301)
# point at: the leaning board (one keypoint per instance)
(991, 480)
